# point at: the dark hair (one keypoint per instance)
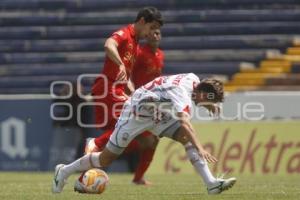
(212, 86)
(150, 14)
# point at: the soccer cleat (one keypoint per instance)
(90, 146)
(221, 185)
(58, 180)
(78, 187)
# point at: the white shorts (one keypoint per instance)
(130, 126)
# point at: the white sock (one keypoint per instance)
(84, 163)
(200, 164)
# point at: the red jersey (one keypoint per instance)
(148, 65)
(127, 48)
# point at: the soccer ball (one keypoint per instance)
(94, 181)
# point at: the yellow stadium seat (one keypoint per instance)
(236, 88)
(284, 57)
(283, 64)
(293, 51)
(276, 70)
(255, 75)
(275, 63)
(253, 82)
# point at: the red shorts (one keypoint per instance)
(108, 108)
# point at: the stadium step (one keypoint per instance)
(245, 55)
(32, 81)
(50, 69)
(237, 88)
(225, 68)
(46, 40)
(247, 82)
(175, 29)
(280, 42)
(85, 5)
(286, 80)
(55, 18)
(242, 55)
(262, 42)
(263, 70)
(259, 75)
(293, 51)
(59, 57)
(283, 64)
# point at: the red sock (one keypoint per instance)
(101, 141)
(144, 162)
(133, 146)
(81, 176)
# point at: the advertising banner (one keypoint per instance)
(253, 148)
(25, 134)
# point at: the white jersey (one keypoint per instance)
(175, 91)
(151, 107)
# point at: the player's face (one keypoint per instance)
(148, 27)
(154, 37)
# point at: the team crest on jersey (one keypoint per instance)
(125, 136)
(127, 56)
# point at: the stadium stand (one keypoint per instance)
(251, 44)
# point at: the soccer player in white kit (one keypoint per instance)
(162, 106)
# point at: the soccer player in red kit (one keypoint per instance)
(150, 60)
(148, 66)
(121, 51)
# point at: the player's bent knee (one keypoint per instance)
(149, 142)
(107, 157)
(152, 142)
(180, 136)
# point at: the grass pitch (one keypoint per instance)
(30, 186)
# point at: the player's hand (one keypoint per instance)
(207, 156)
(130, 87)
(122, 76)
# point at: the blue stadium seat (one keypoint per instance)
(226, 68)
(61, 39)
(27, 90)
(25, 58)
(32, 81)
(114, 4)
(168, 43)
(242, 55)
(228, 42)
(127, 16)
(51, 69)
(184, 29)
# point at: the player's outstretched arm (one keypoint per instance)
(111, 49)
(188, 134)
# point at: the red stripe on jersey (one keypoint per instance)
(187, 110)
